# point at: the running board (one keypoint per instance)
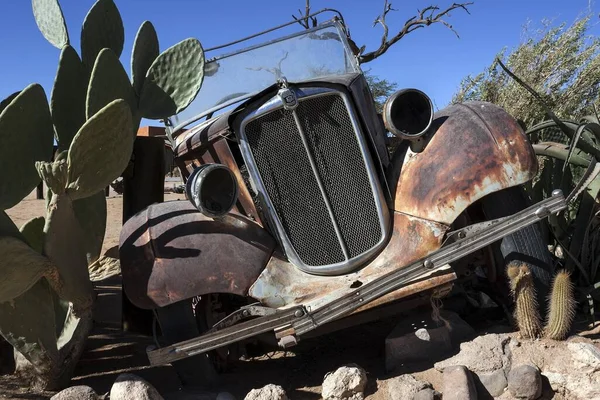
(297, 321)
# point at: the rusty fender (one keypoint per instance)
(171, 252)
(475, 149)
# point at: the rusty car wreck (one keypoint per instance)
(299, 216)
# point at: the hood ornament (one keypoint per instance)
(287, 95)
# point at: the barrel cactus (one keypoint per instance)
(46, 297)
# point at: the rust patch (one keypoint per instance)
(476, 149)
(283, 285)
(171, 252)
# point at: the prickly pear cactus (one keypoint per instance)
(68, 97)
(100, 151)
(526, 309)
(109, 82)
(46, 296)
(102, 29)
(145, 51)
(562, 307)
(173, 80)
(49, 18)
(26, 134)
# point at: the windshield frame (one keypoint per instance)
(335, 22)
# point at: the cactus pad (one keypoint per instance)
(33, 232)
(145, 51)
(7, 227)
(26, 134)
(91, 214)
(67, 101)
(28, 324)
(173, 80)
(64, 247)
(20, 267)
(100, 151)
(562, 307)
(49, 18)
(526, 308)
(4, 103)
(54, 174)
(102, 28)
(109, 82)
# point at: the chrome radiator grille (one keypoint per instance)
(314, 172)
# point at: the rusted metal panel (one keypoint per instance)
(283, 285)
(170, 252)
(477, 149)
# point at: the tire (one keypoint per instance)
(178, 323)
(525, 246)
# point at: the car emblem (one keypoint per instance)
(288, 98)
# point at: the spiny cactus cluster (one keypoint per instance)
(46, 296)
(561, 304)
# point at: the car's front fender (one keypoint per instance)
(476, 148)
(171, 252)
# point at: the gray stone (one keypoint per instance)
(483, 355)
(426, 394)
(346, 382)
(132, 387)
(76, 393)
(404, 387)
(269, 392)
(525, 382)
(585, 356)
(458, 384)
(576, 386)
(494, 383)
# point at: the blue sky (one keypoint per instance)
(431, 59)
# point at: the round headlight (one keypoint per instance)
(212, 189)
(408, 114)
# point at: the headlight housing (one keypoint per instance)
(212, 189)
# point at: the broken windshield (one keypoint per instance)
(309, 54)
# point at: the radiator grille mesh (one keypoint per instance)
(284, 166)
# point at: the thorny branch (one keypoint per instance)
(304, 19)
(428, 16)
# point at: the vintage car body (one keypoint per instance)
(323, 208)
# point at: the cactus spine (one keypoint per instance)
(526, 308)
(562, 307)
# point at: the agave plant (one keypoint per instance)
(46, 295)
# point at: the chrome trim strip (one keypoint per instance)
(376, 190)
(313, 165)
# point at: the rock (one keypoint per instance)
(404, 387)
(426, 394)
(483, 355)
(525, 382)
(585, 356)
(269, 392)
(132, 387)
(76, 393)
(494, 383)
(575, 386)
(346, 382)
(458, 384)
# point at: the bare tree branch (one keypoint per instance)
(428, 16)
(304, 19)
